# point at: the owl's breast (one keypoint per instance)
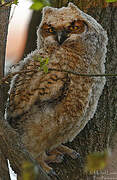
(55, 122)
(75, 103)
(72, 57)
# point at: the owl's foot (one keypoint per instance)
(45, 159)
(54, 156)
(45, 166)
(50, 172)
(65, 150)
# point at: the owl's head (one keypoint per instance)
(63, 25)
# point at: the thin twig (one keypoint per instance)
(80, 74)
(5, 79)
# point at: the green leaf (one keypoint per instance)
(43, 63)
(2, 1)
(45, 68)
(46, 60)
(37, 6)
(15, 2)
(40, 60)
(29, 171)
(109, 1)
(35, 1)
(96, 161)
(42, 1)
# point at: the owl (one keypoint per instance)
(50, 109)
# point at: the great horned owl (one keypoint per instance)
(50, 109)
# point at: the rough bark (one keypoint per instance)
(4, 14)
(32, 33)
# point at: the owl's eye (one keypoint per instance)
(72, 28)
(48, 30)
(76, 27)
(51, 30)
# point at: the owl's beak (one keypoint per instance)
(61, 36)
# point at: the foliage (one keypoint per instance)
(96, 161)
(9, 3)
(15, 2)
(110, 1)
(43, 63)
(39, 4)
(30, 172)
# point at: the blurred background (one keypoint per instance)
(19, 21)
(18, 30)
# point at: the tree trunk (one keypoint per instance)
(31, 43)
(4, 15)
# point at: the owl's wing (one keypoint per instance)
(32, 88)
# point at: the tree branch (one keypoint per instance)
(4, 14)
(6, 3)
(6, 79)
(4, 172)
(12, 148)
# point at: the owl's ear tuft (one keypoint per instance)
(72, 6)
(47, 10)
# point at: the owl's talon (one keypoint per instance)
(59, 158)
(54, 158)
(66, 150)
(75, 155)
(53, 173)
(43, 163)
